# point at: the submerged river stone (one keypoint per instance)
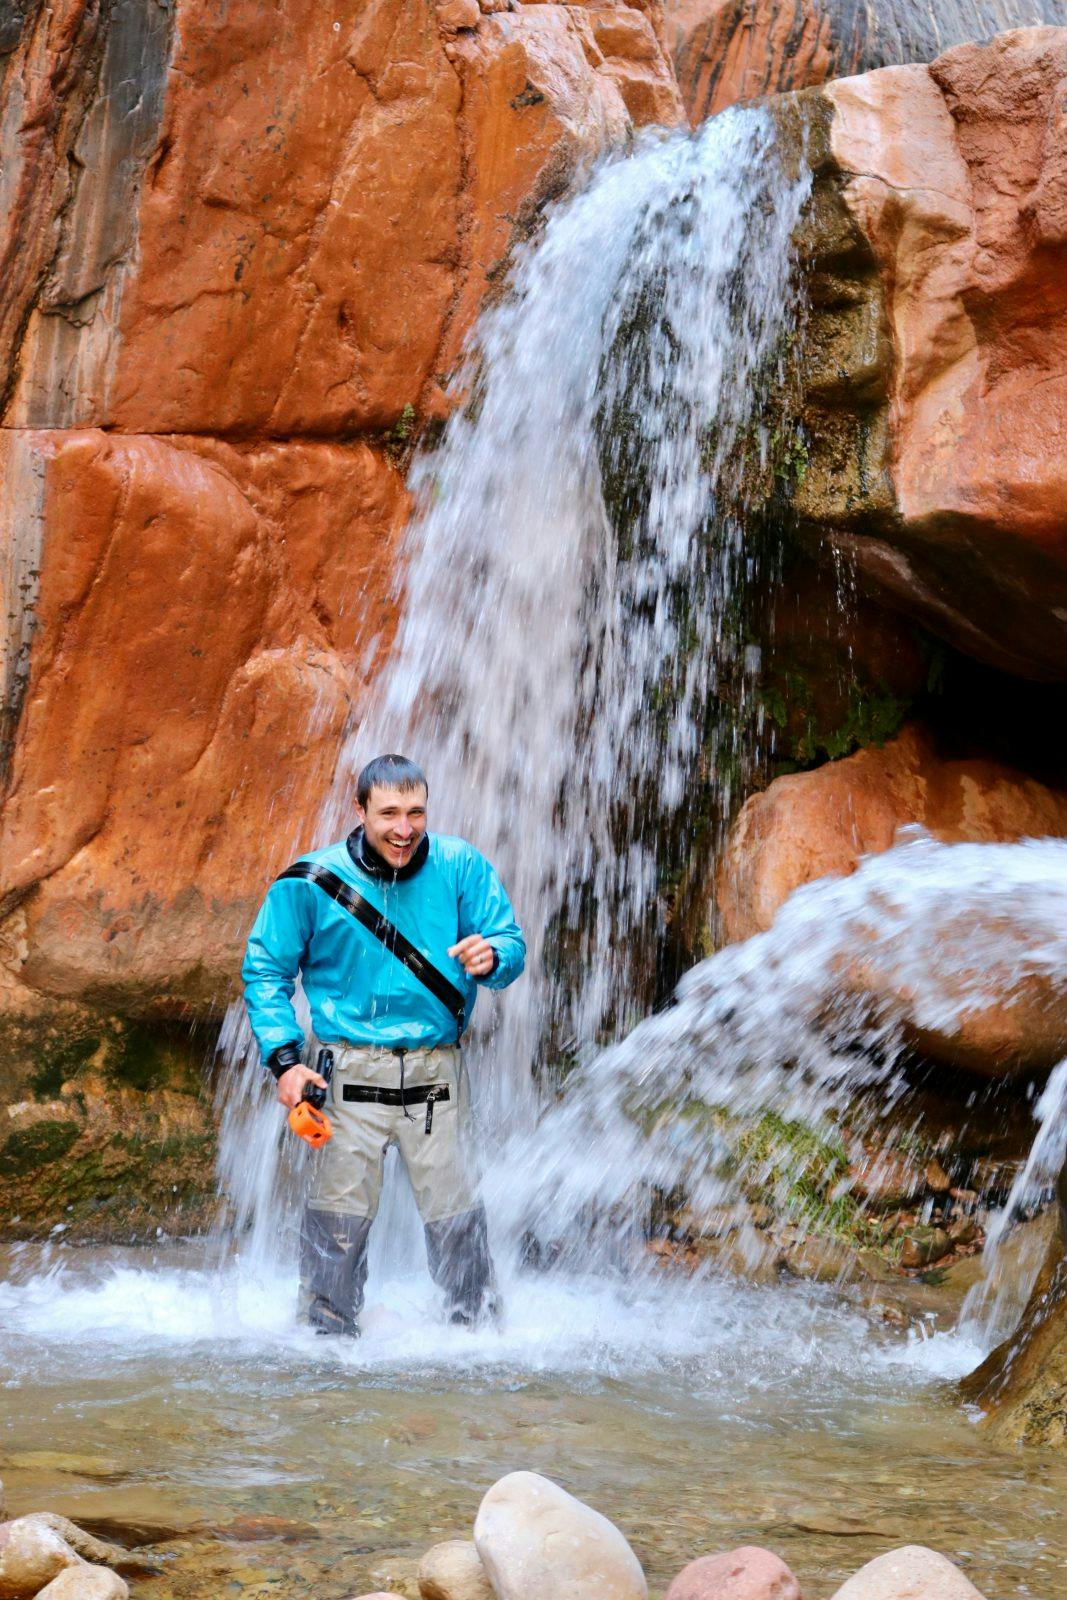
(537, 1542)
(910, 1573)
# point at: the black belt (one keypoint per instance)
(395, 1097)
(429, 1093)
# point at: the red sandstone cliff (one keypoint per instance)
(244, 248)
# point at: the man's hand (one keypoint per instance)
(475, 954)
(292, 1083)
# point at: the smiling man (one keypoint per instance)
(391, 930)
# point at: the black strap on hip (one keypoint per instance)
(366, 1094)
(367, 916)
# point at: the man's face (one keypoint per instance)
(394, 820)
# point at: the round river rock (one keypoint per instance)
(537, 1542)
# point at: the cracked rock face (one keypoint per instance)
(935, 362)
(730, 50)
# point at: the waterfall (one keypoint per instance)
(574, 576)
(572, 668)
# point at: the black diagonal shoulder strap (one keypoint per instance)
(394, 941)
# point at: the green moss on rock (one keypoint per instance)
(27, 1149)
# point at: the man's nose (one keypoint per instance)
(403, 830)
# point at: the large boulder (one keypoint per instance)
(818, 824)
(935, 362)
(821, 824)
(537, 1542)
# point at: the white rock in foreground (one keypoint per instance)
(86, 1582)
(31, 1555)
(537, 1542)
(910, 1573)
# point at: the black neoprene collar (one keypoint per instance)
(368, 860)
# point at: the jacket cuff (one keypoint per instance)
(280, 1060)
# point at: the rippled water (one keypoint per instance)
(731, 1415)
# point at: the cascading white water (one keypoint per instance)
(572, 576)
(799, 1018)
(571, 585)
(993, 1307)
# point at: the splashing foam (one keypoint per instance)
(799, 1018)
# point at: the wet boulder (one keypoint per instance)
(1022, 1384)
(748, 1573)
(911, 1573)
(976, 1000)
(537, 1542)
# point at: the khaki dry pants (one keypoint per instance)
(433, 1137)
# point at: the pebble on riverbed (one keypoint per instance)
(911, 1573)
(86, 1582)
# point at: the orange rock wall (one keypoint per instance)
(242, 251)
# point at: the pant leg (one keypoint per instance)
(345, 1191)
(440, 1166)
(457, 1249)
(333, 1269)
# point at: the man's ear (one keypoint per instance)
(361, 815)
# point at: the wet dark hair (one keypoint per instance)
(389, 772)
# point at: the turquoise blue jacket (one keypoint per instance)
(357, 991)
